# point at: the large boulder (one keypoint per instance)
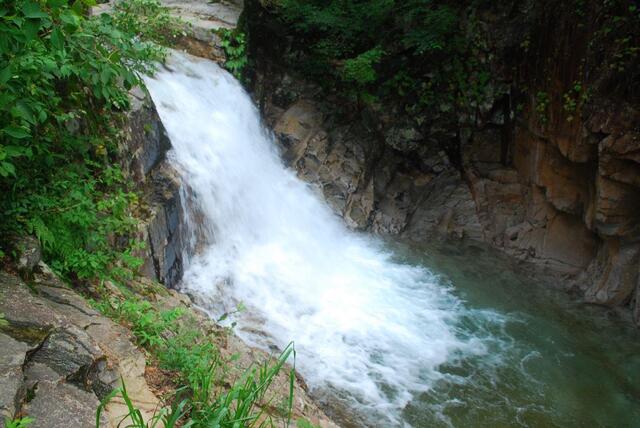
(12, 359)
(59, 356)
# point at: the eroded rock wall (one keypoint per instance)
(549, 183)
(144, 160)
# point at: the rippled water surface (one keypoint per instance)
(556, 362)
(387, 334)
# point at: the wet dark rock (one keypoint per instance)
(144, 160)
(146, 141)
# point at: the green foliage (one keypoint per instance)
(626, 52)
(166, 417)
(148, 20)
(413, 51)
(542, 106)
(147, 323)
(196, 360)
(3, 321)
(18, 423)
(574, 99)
(430, 27)
(337, 29)
(234, 44)
(303, 423)
(238, 405)
(616, 47)
(64, 78)
(360, 69)
(200, 368)
(74, 214)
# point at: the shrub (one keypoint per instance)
(64, 81)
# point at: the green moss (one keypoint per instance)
(28, 333)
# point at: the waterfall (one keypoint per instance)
(369, 331)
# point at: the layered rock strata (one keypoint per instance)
(552, 184)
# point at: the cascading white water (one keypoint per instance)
(365, 327)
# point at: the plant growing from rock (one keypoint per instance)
(542, 102)
(234, 44)
(18, 423)
(200, 370)
(574, 99)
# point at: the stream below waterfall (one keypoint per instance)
(387, 333)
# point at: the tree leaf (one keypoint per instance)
(7, 168)
(55, 4)
(57, 39)
(5, 75)
(15, 151)
(23, 111)
(16, 132)
(30, 29)
(105, 75)
(32, 10)
(70, 18)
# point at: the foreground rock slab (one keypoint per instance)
(59, 357)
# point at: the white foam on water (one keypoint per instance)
(365, 327)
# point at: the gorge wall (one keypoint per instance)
(547, 170)
(162, 231)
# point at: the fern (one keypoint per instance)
(361, 68)
(36, 226)
(234, 45)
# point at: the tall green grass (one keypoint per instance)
(199, 402)
(163, 417)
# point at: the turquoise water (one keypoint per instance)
(553, 361)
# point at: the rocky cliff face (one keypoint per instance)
(544, 172)
(162, 230)
(59, 356)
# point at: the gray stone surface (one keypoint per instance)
(29, 254)
(12, 357)
(206, 17)
(70, 352)
(60, 405)
(76, 355)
